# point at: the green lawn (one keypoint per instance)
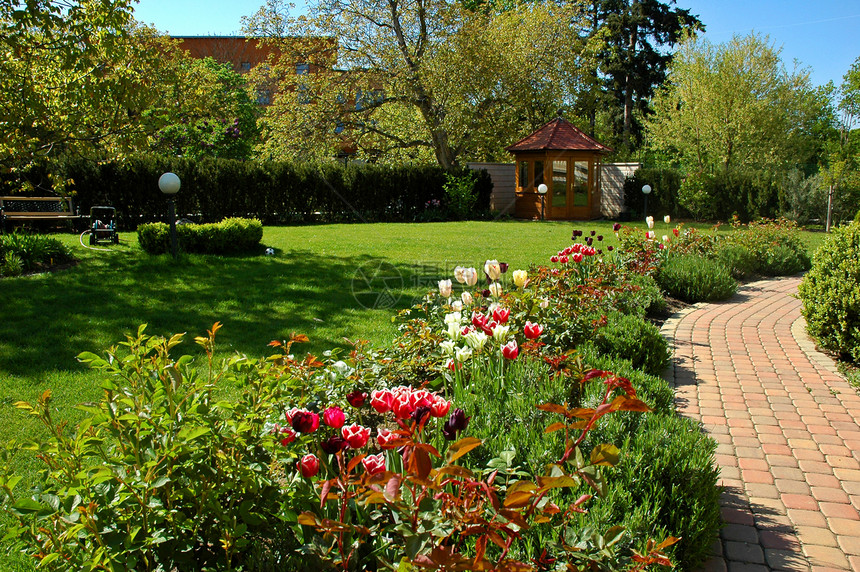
(330, 282)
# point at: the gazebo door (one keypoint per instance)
(580, 191)
(559, 200)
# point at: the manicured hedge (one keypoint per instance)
(274, 192)
(226, 237)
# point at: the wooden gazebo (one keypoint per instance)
(567, 161)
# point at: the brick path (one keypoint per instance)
(784, 419)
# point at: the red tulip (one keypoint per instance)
(287, 436)
(553, 258)
(356, 435)
(356, 398)
(402, 406)
(374, 463)
(384, 437)
(577, 257)
(334, 417)
(532, 331)
(510, 350)
(440, 407)
(305, 421)
(501, 315)
(382, 400)
(309, 466)
(563, 259)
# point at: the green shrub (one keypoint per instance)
(831, 293)
(695, 279)
(633, 338)
(738, 259)
(228, 236)
(775, 246)
(21, 252)
(460, 194)
(160, 475)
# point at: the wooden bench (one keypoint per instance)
(36, 209)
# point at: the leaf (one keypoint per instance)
(392, 488)
(606, 455)
(548, 483)
(353, 463)
(555, 427)
(422, 463)
(308, 519)
(454, 470)
(553, 408)
(26, 505)
(462, 447)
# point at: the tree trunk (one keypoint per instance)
(628, 81)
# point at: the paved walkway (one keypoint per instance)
(787, 427)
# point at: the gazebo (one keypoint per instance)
(567, 161)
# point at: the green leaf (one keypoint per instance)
(606, 455)
(26, 505)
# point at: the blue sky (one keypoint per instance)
(823, 36)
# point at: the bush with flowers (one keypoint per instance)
(480, 439)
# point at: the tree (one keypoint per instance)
(420, 79)
(634, 61)
(57, 88)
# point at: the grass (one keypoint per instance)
(329, 281)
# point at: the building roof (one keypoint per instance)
(558, 135)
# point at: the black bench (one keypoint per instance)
(14, 209)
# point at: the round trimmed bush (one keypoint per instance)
(830, 292)
(693, 279)
(632, 338)
(738, 259)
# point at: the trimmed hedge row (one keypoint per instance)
(274, 192)
(226, 237)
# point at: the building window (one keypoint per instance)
(264, 97)
(245, 67)
(302, 68)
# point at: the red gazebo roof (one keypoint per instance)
(558, 135)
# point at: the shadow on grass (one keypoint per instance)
(50, 319)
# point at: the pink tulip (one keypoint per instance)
(334, 417)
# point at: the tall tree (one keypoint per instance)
(419, 78)
(638, 36)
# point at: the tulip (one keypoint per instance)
(445, 288)
(610, 248)
(382, 400)
(458, 274)
(500, 333)
(374, 463)
(447, 347)
(503, 267)
(334, 417)
(593, 232)
(564, 259)
(495, 289)
(520, 278)
(421, 415)
(532, 331)
(667, 219)
(492, 269)
(553, 258)
(577, 257)
(616, 227)
(287, 436)
(402, 406)
(577, 233)
(384, 437)
(649, 220)
(465, 331)
(456, 423)
(463, 354)
(355, 435)
(334, 444)
(453, 318)
(476, 340)
(305, 421)
(309, 466)
(466, 298)
(457, 306)
(544, 304)
(501, 315)
(510, 350)
(471, 276)
(421, 398)
(356, 398)
(599, 237)
(675, 231)
(440, 407)
(665, 237)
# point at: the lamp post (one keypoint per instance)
(646, 190)
(542, 189)
(169, 185)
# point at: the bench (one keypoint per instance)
(36, 209)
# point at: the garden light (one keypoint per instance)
(646, 190)
(542, 189)
(169, 185)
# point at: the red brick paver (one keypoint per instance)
(784, 419)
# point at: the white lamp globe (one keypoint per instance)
(542, 189)
(646, 189)
(168, 183)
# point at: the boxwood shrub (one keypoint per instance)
(693, 278)
(228, 236)
(830, 292)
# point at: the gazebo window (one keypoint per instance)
(524, 175)
(538, 180)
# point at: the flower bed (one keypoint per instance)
(490, 434)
